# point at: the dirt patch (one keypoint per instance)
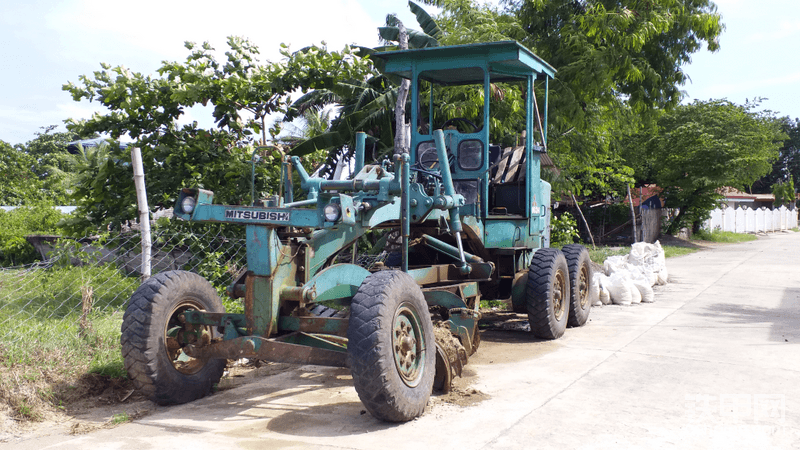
(93, 402)
(52, 402)
(505, 338)
(245, 370)
(461, 393)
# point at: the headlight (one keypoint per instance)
(187, 205)
(332, 212)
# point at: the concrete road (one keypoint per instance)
(714, 363)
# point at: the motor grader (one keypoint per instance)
(472, 220)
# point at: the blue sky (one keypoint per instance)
(46, 43)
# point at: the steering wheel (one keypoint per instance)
(429, 159)
(475, 128)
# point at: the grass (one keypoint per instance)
(598, 255)
(120, 418)
(671, 251)
(726, 237)
(49, 342)
(493, 304)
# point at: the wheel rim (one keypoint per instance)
(408, 344)
(559, 294)
(177, 334)
(583, 287)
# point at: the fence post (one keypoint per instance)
(144, 211)
(633, 214)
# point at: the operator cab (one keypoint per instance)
(494, 148)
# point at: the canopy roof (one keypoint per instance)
(465, 64)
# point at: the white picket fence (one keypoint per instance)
(747, 220)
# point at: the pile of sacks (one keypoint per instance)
(630, 279)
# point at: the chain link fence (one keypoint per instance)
(87, 282)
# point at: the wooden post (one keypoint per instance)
(401, 143)
(84, 326)
(144, 211)
(633, 213)
(584, 220)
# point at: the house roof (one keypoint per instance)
(733, 194)
(643, 193)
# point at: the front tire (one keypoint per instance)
(580, 282)
(153, 335)
(391, 346)
(547, 293)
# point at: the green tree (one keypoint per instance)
(20, 185)
(784, 193)
(364, 105)
(53, 164)
(703, 146)
(619, 63)
(148, 109)
(787, 166)
(607, 49)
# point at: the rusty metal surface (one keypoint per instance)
(311, 324)
(268, 350)
(450, 273)
(249, 303)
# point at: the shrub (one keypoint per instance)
(563, 230)
(22, 221)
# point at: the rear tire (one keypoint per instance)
(391, 346)
(580, 282)
(547, 293)
(153, 336)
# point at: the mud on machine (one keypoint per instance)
(476, 227)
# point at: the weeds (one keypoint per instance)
(726, 237)
(50, 339)
(500, 304)
(26, 411)
(671, 251)
(122, 417)
(600, 254)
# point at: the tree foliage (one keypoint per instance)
(784, 193)
(701, 147)
(786, 168)
(607, 49)
(52, 163)
(20, 183)
(618, 62)
(242, 92)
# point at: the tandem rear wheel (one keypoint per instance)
(557, 290)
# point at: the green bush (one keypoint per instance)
(563, 230)
(22, 221)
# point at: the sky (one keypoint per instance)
(47, 43)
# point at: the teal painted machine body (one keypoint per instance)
(466, 232)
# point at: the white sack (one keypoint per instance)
(603, 295)
(636, 296)
(662, 276)
(614, 264)
(594, 291)
(619, 290)
(645, 289)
